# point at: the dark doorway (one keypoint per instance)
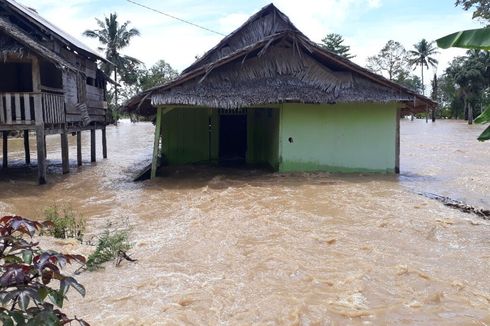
(233, 139)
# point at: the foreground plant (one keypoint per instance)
(30, 277)
(66, 224)
(111, 245)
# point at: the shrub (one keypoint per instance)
(111, 245)
(65, 223)
(29, 276)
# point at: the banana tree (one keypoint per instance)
(471, 39)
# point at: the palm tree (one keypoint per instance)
(113, 38)
(422, 56)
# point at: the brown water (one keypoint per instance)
(236, 247)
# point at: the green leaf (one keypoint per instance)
(56, 298)
(24, 300)
(43, 293)
(469, 39)
(27, 256)
(485, 135)
(18, 317)
(484, 117)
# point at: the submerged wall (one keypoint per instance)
(186, 136)
(338, 138)
(263, 137)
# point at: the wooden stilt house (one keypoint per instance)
(266, 94)
(49, 84)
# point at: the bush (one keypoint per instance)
(65, 223)
(111, 245)
(27, 274)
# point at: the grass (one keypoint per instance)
(66, 224)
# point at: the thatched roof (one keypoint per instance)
(268, 60)
(19, 43)
(47, 27)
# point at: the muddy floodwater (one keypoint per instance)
(240, 247)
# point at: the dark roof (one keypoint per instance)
(22, 40)
(268, 60)
(33, 17)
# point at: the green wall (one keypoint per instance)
(263, 137)
(186, 137)
(332, 138)
(338, 138)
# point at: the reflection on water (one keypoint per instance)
(226, 246)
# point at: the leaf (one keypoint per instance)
(24, 300)
(18, 317)
(56, 298)
(42, 293)
(484, 117)
(27, 256)
(485, 135)
(469, 39)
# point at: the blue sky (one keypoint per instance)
(365, 24)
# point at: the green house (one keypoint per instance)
(268, 95)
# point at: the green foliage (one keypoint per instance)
(469, 39)
(32, 286)
(421, 56)
(114, 37)
(482, 8)
(410, 81)
(484, 118)
(111, 245)
(160, 73)
(334, 43)
(392, 60)
(65, 223)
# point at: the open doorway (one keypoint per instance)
(233, 138)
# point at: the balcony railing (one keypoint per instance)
(32, 108)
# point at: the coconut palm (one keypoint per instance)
(114, 37)
(422, 56)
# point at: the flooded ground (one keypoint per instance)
(237, 247)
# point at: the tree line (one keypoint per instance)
(462, 90)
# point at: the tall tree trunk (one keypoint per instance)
(115, 87)
(423, 86)
(470, 114)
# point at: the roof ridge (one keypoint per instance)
(270, 8)
(32, 14)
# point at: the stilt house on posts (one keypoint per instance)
(266, 94)
(49, 83)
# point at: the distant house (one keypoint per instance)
(266, 94)
(49, 83)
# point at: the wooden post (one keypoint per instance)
(93, 157)
(65, 163)
(397, 142)
(104, 143)
(5, 149)
(45, 147)
(79, 148)
(158, 129)
(26, 147)
(41, 156)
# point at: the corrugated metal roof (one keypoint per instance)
(34, 16)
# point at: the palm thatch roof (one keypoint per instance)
(16, 42)
(268, 60)
(47, 27)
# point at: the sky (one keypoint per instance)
(366, 25)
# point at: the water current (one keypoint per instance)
(224, 246)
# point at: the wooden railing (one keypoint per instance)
(20, 108)
(53, 108)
